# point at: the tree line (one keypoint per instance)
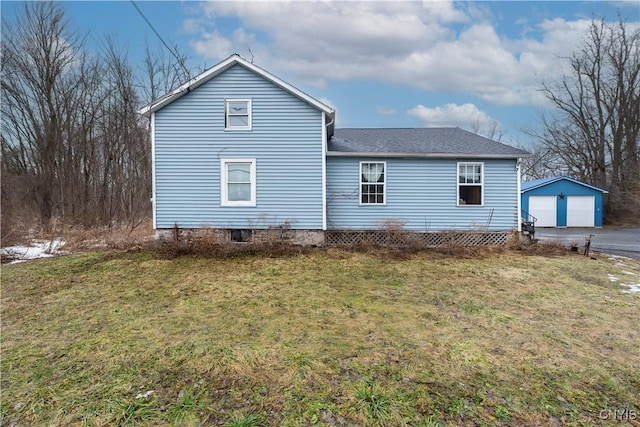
(74, 148)
(593, 134)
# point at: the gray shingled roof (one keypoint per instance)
(418, 142)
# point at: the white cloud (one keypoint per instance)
(439, 46)
(212, 45)
(385, 111)
(190, 26)
(328, 102)
(466, 116)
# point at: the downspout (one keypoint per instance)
(327, 132)
(329, 126)
(518, 195)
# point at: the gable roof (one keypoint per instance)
(537, 183)
(418, 142)
(221, 67)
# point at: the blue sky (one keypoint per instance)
(380, 64)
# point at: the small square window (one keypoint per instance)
(237, 114)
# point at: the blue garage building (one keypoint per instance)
(562, 202)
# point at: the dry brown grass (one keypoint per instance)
(318, 337)
(119, 236)
(78, 238)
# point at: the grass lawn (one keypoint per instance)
(320, 337)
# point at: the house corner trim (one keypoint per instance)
(154, 203)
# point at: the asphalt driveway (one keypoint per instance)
(617, 241)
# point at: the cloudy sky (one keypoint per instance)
(476, 65)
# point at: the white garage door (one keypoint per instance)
(544, 209)
(580, 211)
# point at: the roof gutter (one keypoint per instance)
(169, 97)
(330, 126)
(426, 155)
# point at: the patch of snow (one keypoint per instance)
(38, 249)
(631, 289)
(619, 260)
(618, 257)
(626, 263)
(145, 395)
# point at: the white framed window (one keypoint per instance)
(373, 183)
(238, 182)
(470, 184)
(237, 114)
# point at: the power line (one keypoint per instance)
(180, 61)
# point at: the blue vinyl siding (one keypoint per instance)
(567, 188)
(285, 141)
(422, 195)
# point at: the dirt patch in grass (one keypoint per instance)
(318, 337)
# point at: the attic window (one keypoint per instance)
(470, 182)
(237, 114)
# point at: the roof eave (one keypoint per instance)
(159, 103)
(223, 66)
(426, 155)
(560, 178)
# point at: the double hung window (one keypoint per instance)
(470, 182)
(238, 182)
(237, 114)
(372, 183)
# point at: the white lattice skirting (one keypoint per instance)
(416, 239)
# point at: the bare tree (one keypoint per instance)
(162, 72)
(125, 184)
(72, 141)
(596, 128)
(491, 130)
(541, 164)
(38, 60)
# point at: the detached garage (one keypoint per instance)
(562, 202)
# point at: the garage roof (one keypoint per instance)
(530, 185)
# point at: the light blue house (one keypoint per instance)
(563, 202)
(238, 150)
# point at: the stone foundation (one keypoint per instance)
(225, 236)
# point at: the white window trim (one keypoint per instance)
(224, 201)
(459, 184)
(384, 185)
(226, 114)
